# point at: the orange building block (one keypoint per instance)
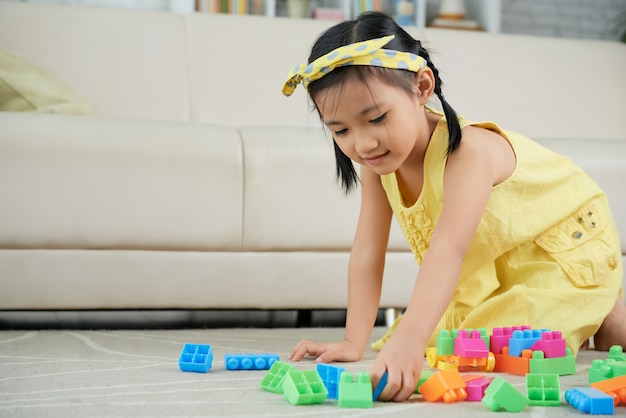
(519, 366)
(616, 387)
(446, 385)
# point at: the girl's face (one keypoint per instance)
(375, 124)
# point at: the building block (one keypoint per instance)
(330, 376)
(500, 394)
(196, 358)
(249, 361)
(446, 385)
(476, 388)
(500, 337)
(470, 344)
(557, 365)
(424, 376)
(355, 391)
(380, 386)
(304, 387)
(543, 389)
(616, 352)
(614, 387)
(522, 340)
(605, 369)
(590, 400)
(518, 366)
(551, 343)
(274, 378)
(445, 343)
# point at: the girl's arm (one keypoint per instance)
(365, 271)
(367, 260)
(471, 172)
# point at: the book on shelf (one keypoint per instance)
(240, 7)
(361, 6)
(440, 22)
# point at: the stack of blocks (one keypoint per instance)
(540, 355)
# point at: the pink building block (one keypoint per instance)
(470, 345)
(500, 337)
(552, 344)
(476, 388)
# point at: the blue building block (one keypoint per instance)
(590, 400)
(380, 386)
(330, 376)
(523, 339)
(196, 358)
(249, 361)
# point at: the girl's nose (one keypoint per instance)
(365, 144)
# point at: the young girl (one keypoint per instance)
(505, 231)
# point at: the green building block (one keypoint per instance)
(355, 391)
(616, 352)
(304, 387)
(606, 369)
(275, 376)
(500, 394)
(445, 343)
(424, 376)
(555, 365)
(543, 389)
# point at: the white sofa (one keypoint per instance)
(199, 186)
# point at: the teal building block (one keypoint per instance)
(249, 361)
(606, 369)
(590, 400)
(556, 365)
(543, 389)
(330, 376)
(275, 376)
(196, 358)
(500, 394)
(445, 343)
(355, 391)
(304, 387)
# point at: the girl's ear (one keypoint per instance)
(425, 85)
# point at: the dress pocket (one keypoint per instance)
(585, 244)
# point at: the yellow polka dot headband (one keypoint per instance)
(369, 52)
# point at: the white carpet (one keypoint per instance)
(135, 374)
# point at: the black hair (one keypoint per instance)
(371, 25)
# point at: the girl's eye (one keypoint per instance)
(379, 119)
(341, 132)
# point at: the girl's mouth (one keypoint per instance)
(377, 159)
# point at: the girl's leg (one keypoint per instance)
(613, 329)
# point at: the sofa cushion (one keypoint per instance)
(25, 87)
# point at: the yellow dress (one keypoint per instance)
(546, 252)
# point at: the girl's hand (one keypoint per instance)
(326, 352)
(402, 358)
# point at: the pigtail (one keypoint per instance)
(454, 128)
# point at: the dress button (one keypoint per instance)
(590, 214)
(593, 224)
(581, 220)
(577, 235)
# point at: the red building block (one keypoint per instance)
(500, 337)
(551, 343)
(476, 388)
(446, 385)
(615, 387)
(514, 365)
(470, 345)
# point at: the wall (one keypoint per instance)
(589, 19)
